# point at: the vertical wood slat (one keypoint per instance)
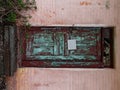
(10, 49)
(7, 50)
(1, 52)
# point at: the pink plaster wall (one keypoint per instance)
(52, 12)
(69, 12)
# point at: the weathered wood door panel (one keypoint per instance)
(8, 49)
(49, 47)
(1, 52)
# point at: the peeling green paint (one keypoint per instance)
(48, 47)
(52, 45)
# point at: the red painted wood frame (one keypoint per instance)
(102, 52)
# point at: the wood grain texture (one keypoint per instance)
(48, 47)
(1, 52)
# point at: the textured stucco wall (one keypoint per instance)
(75, 12)
(70, 12)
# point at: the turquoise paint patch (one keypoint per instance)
(53, 45)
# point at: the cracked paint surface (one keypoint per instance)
(49, 46)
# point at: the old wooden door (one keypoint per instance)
(67, 47)
(8, 49)
(1, 52)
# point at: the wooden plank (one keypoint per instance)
(7, 50)
(2, 72)
(10, 49)
(13, 48)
